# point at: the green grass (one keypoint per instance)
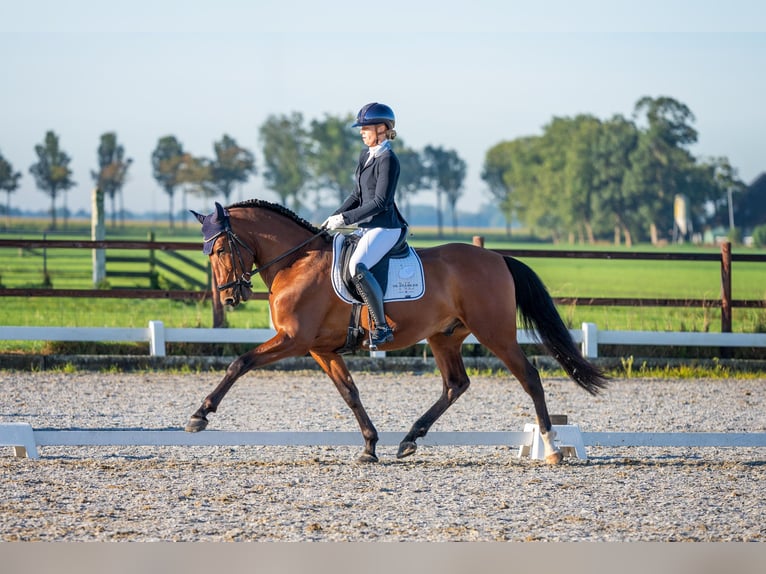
(565, 277)
(653, 279)
(629, 369)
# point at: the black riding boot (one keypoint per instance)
(372, 295)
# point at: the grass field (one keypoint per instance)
(71, 268)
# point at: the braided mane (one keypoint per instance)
(276, 208)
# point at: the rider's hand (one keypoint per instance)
(333, 222)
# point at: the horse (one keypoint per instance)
(469, 290)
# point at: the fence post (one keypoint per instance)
(219, 317)
(589, 340)
(156, 339)
(726, 287)
(154, 282)
(46, 278)
(98, 233)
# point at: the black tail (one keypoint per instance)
(538, 313)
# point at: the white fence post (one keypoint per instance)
(98, 233)
(589, 340)
(156, 339)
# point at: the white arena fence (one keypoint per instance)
(589, 337)
(25, 440)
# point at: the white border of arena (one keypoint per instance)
(589, 337)
(25, 440)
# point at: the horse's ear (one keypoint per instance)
(220, 211)
(199, 216)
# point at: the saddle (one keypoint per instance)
(379, 270)
(399, 273)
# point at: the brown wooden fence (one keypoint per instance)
(726, 258)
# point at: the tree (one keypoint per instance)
(167, 161)
(496, 162)
(713, 181)
(446, 172)
(333, 153)
(284, 154)
(617, 140)
(660, 164)
(412, 175)
(113, 170)
(195, 175)
(567, 179)
(749, 207)
(9, 182)
(51, 172)
(232, 164)
(512, 170)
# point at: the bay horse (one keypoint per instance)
(469, 289)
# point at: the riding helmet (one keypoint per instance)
(373, 114)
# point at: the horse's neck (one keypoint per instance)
(271, 240)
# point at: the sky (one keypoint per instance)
(458, 74)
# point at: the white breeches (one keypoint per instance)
(374, 243)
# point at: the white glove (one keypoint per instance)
(333, 222)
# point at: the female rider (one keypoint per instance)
(372, 208)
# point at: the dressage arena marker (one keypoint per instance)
(25, 440)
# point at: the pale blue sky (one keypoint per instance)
(463, 75)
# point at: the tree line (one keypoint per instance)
(588, 179)
(583, 179)
(304, 164)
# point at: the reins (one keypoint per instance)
(234, 248)
(288, 253)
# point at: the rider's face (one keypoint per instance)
(371, 134)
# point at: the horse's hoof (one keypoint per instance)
(366, 457)
(554, 458)
(406, 449)
(196, 424)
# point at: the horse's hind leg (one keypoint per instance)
(447, 353)
(528, 376)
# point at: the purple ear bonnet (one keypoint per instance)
(212, 226)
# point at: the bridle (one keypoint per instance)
(241, 280)
(235, 243)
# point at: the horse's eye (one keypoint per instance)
(220, 252)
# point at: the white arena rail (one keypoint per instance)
(157, 335)
(25, 440)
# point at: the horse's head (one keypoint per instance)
(231, 259)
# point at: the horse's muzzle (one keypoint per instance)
(236, 295)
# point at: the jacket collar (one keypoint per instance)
(376, 152)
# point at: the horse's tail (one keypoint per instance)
(538, 313)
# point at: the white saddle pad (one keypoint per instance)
(406, 281)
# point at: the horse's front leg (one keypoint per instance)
(336, 369)
(455, 381)
(278, 347)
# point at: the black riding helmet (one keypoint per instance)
(373, 114)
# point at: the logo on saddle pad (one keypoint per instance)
(406, 281)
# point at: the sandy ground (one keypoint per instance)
(322, 494)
